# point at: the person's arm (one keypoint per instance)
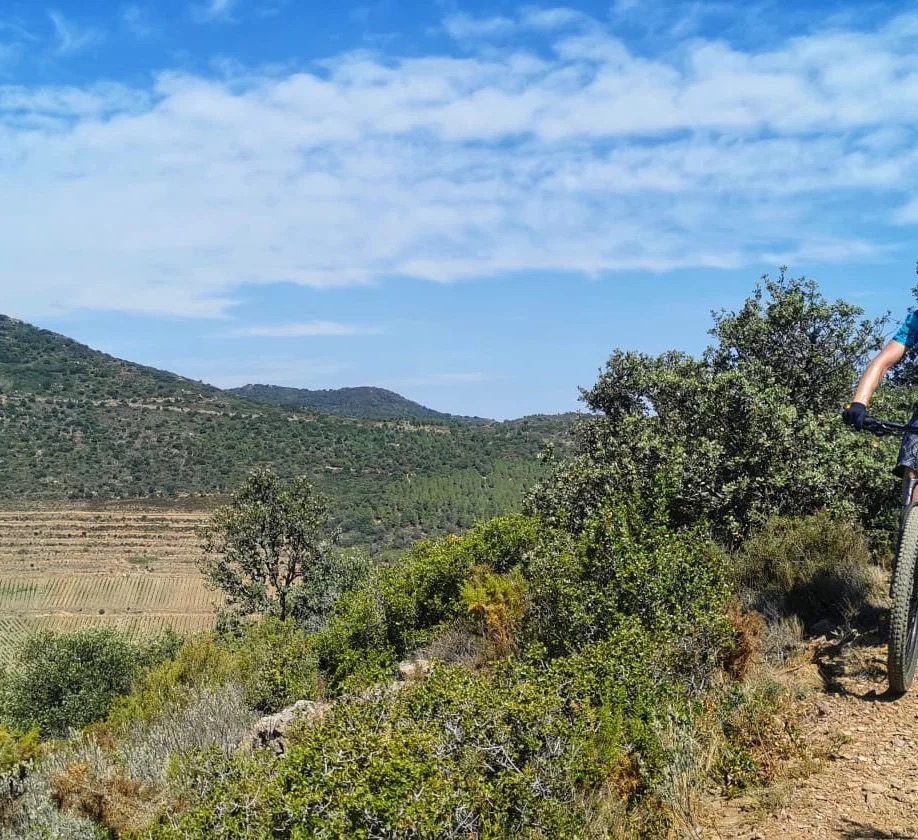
(876, 370)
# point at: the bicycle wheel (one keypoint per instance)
(903, 618)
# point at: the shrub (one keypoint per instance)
(749, 430)
(67, 681)
(497, 604)
(407, 604)
(35, 815)
(18, 753)
(201, 661)
(353, 650)
(114, 780)
(760, 737)
(526, 751)
(628, 563)
(275, 664)
(813, 567)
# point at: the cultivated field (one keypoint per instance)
(126, 566)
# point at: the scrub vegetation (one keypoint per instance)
(586, 666)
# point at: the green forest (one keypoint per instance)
(78, 424)
(589, 661)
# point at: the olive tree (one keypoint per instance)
(270, 550)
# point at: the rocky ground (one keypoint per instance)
(865, 779)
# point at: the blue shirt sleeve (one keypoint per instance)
(908, 331)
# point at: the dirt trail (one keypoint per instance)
(868, 785)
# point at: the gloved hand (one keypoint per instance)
(855, 415)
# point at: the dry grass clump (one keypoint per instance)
(781, 639)
(109, 782)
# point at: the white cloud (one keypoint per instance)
(556, 17)
(139, 20)
(586, 158)
(234, 372)
(213, 10)
(72, 37)
(313, 328)
(462, 26)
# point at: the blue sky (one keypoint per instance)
(470, 203)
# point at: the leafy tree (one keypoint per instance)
(270, 550)
(749, 430)
(789, 335)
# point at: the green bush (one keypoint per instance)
(353, 649)
(405, 604)
(200, 662)
(66, 681)
(814, 567)
(275, 664)
(271, 662)
(628, 564)
(526, 751)
(748, 431)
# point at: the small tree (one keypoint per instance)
(270, 550)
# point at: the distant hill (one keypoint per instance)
(43, 363)
(76, 423)
(373, 403)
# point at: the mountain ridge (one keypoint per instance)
(76, 423)
(355, 401)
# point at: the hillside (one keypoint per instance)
(76, 423)
(372, 403)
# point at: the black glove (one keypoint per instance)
(855, 415)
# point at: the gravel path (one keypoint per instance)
(868, 786)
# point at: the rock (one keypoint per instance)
(271, 730)
(414, 669)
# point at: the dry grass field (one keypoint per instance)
(128, 566)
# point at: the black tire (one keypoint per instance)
(903, 618)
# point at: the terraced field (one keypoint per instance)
(130, 567)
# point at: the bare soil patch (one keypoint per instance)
(867, 785)
(131, 567)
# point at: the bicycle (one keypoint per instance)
(903, 617)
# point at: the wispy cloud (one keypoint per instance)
(313, 328)
(138, 20)
(213, 10)
(71, 36)
(9, 55)
(584, 156)
(16, 30)
(463, 26)
(233, 372)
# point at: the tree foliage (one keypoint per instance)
(66, 681)
(271, 550)
(749, 430)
